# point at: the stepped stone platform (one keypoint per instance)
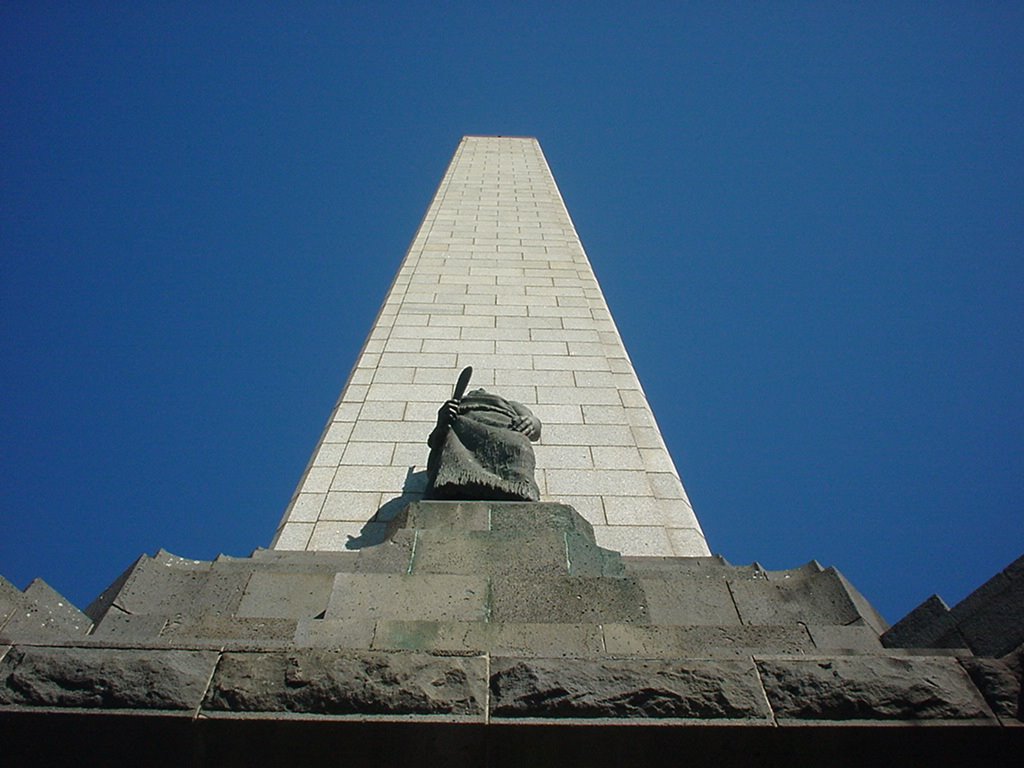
(499, 631)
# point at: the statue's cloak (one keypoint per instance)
(480, 456)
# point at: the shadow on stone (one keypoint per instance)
(374, 530)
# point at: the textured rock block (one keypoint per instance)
(339, 683)
(567, 600)
(159, 588)
(689, 601)
(229, 630)
(570, 688)
(871, 688)
(428, 597)
(703, 641)
(43, 613)
(428, 515)
(818, 598)
(930, 625)
(548, 640)
(105, 678)
(321, 633)
(286, 595)
(998, 683)
(992, 618)
(538, 554)
(855, 637)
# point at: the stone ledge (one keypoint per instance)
(353, 683)
(105, 678)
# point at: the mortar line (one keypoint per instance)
(209, 681)
(487, 688)
(412, 554)
(764, 691)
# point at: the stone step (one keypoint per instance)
(39, 613)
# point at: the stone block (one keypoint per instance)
(587, 559)
(44, 613)
(393, 555)
(868, 687)
(571, 688)
(538, 554)
(929, 625)
(230, 630)
(703, 641)
(639, 540)
(427, 597)
(335, 682)
(991, 618)
(549, 640)
(688, 542)
(121, 627)
(99, 678)
(159, 588)
(567, 600)
(811, 599)
(853, 637)
(444, 515)
(286, 595)
(689, 601)
(999, 684)
(11, 599)
(329, 633)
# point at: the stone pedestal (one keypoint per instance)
(482, 615)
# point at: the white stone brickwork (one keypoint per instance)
(496, 278)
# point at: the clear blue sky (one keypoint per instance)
(808, 219)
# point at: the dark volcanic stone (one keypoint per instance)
(998, 683)
(349, 682)
(930, 625)
(105, 678)
(626, 689)
(871, 688)
(567, 600)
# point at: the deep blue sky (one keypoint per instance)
(808, 219)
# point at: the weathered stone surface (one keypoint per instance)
(689, 601)
(390, 556)
(160, 588)
(10, 598)
(118, 626)
(930, 625)
(43, 613)
(345, 682)
(665, 642)
(286, 595)
(428, 597)
(105, 678)
(325, 633)
(998, 684)
(992, 617)
(230, 628)
(510, 517)
(867, 687)
(539, 554)
(441, 515)
(588, 559)
(706, 689)
(548, 640)
(854, 637)
(866, 611)
(567, 600)
(818, 598)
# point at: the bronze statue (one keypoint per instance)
(480, 448)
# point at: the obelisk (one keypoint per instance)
(496, 278)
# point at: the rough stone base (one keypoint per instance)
(473, 617)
